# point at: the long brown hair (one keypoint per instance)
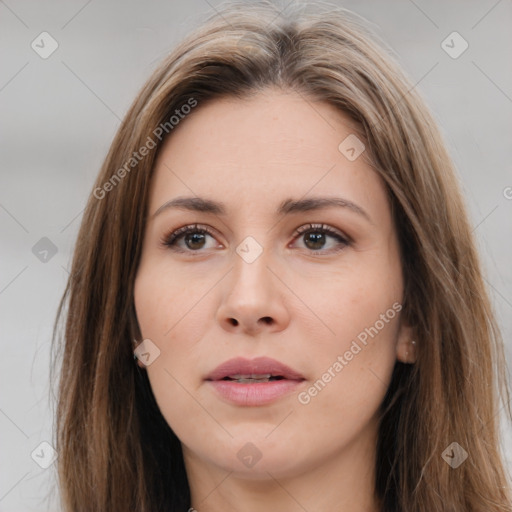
(116, 451)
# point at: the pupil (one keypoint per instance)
(196, 238)
(316, 238)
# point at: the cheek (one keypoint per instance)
(355, 358)
(159, 301)
(351, 379)
(161, 305)
(351, 300)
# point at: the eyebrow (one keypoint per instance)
(288, 206)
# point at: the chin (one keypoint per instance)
(257, 459)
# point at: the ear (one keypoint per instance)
(406, 345)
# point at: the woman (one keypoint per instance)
(275, 299)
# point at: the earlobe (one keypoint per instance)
(406, 346)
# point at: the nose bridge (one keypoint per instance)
(252, 299)
(251, 265)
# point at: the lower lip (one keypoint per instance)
(259, 393)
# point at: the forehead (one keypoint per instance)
(261, 150)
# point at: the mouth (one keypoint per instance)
(246, 379)
(253, 382)
(260, 369)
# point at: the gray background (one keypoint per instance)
(58, 118)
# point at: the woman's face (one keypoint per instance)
(323, 303)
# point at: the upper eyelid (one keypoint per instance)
(320, 226)
(183, 230)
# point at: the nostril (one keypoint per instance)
(266, 319)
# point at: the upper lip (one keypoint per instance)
(259, 366)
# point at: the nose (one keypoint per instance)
(254, 298)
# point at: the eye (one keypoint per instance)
(315, 237)
(193, 236)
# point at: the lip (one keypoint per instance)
(259, 365)
(253, 393)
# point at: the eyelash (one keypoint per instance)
(170, 239)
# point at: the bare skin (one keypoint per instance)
(302, 301)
